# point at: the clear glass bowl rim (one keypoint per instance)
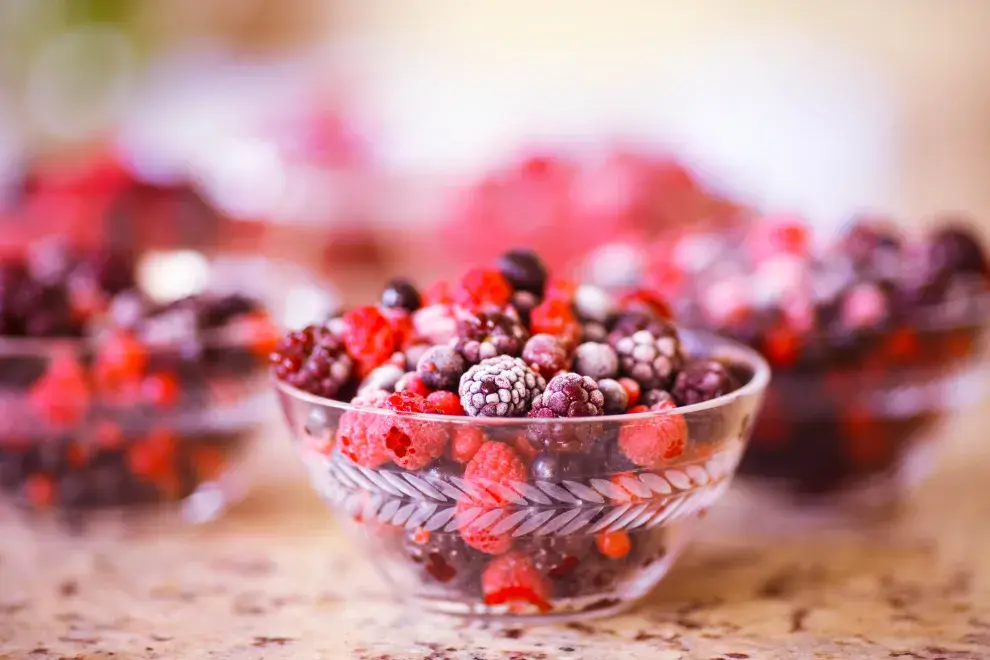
(725, 348)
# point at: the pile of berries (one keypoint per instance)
(845, 328)
(125, 410)
(500, 343)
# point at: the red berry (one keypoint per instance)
(776, 236)
(411, 443)
(62, 396)
(39, 489)
(447, 402)
(369, 337)
(122, 357)
(648, 301)
(651, 444)
(412, 382)
(614, 545)
(401, 323)
(480, 537)
(633, 391)
(512, 579)
(361, 440)
(161, 390)
(782, 346)
(483, 286)
(465, 444)
(154, 456)
(555, 317)
(561, 290)
(436, 323)
(497, 463)
(438, 293)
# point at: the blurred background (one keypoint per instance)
(355, 139)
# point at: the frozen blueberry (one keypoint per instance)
(596, 360)
(524, 270)
(441, 368)
(400, 293)
(616, 397)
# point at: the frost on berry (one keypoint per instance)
(501, 386)
(650, 359)
(545, 354)
(596, 360)
(489, 333)
(482, 286)
(654, 442)
(441, 368)
(571, 395)
(370, 338)
(435, 323)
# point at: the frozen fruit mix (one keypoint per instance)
(506, 343)
(111, 409)
(841, 324)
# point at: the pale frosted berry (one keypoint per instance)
(596, 360)
(501, 386)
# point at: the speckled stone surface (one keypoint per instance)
(274, 579)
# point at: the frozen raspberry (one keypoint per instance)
(524, 271)
(650, 359)
(465, 443)
(400, 293)
(479, 536)
(489, 333)
(325, 366)
(651, 398)
(616, 397)
(513, 580)
(370, 398)
(482, 286)
(441, 368)
(412, 444)
(360, 437)
(570, 395)
(435, 323)
(447, 402)
(495, 462)
(545, 355)
(384, 378)
(369, 337)
(501, 386)
(596, 361)
(703, 380)
(554, 317)
(438, 293)
(411, 382)
(401, 323)
(592, 303)
(650, 444)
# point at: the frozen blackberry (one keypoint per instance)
(443, 558)
(441, 368)
(545, 354)
(313, 360)
(616, 397)
(524, 271)
(400, 293)
(650, 357)
(596, 361)
(570, 395)
(501, 386)
(651, 398)
(703, 380)
(633, 320)
(489, 333)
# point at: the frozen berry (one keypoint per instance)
(482, 286)
(361, 439)
(465, 443)
(703, 380)
(411, 443)
(650, 359)
(594, 331)
(559, 557)
(545, 354)
(561, 437)
(370, 398)
(646, 301)
(596, 361)
(400, 293)
(632, 388)
(955, 249)
(865, 240)
(863, 306)
(435, 323)
(443, 469)
(369, 337)
(524, 271)
(593, 304)
(477, 531)
(501, 386)
(523, 303)
(650, 444)
(489, 333)
(443, 557)
(327, 368)
(62, 396)
(412, 383)
(441, 368)
(570, 395)
(555, 467)
(616, 397)
(495, 462)
(447, 402)
(513, 580)
(438, 293)
(554, 317)
(651, 398)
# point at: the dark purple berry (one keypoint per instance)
(524, 270)
(441, 368)
(501, 386)
(616, 397)
(489, 333)
(955, 249)
(215, 313)
(703, 380)
(400, 293)
(650, 357)
(570, 395)
(313, 360)
(651, 398)
(555, 467)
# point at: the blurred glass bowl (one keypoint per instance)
(585, 535)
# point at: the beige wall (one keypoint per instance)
(551, 61)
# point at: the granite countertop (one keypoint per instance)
(275, 579)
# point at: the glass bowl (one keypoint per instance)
(581, 535)
(95, 425)
(854, 425)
